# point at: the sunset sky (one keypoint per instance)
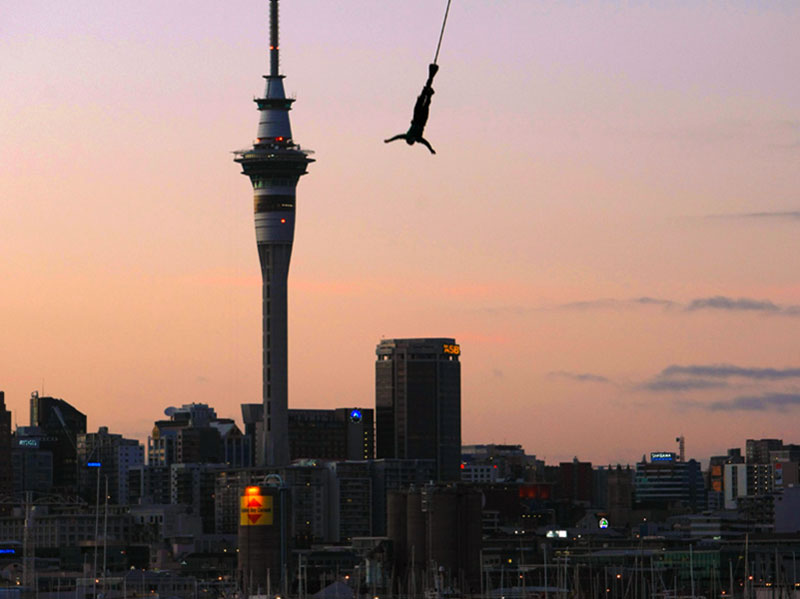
(610, 227)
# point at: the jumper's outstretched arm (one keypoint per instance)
(396, 137)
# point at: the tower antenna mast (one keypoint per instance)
(274, 47)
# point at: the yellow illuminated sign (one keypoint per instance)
(256, 510)
(453, 349)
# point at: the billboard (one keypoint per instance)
(256, 509)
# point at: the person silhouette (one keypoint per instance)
(420, 117)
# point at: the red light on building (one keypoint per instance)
(534, 491)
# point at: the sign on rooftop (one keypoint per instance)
(662, 456)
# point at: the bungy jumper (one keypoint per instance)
(423, 104)
(420, 118)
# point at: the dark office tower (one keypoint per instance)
(5, 447)
(340, 434)
(418, 402)
(61, 424)
(274, 164)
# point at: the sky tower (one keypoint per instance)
(274, 164)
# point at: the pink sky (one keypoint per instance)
(589, 155)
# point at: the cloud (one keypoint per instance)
(742, 304)
(720, 302)
(503, 310)
(654, 301)
(717, 302)
(790, 215)
(617, 304)
(581, 377)
(594, 304)
(659, 384)
(779, 402)
(697, 377)
(718, 371)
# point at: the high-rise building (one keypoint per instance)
(575, 481)
(32, 461)
(716, 475)
(619, 494)
(111, 456)
(351, 500)
(418, 402)
(149, 484)
(193, 485)
(666, 480)
(484, 463)
(194, 435)
(60, 424)
(750, 480)
(274, 164)
(757, 450)
(235, 448)
(5, 447)
(340, 434)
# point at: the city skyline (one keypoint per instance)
(609, 227)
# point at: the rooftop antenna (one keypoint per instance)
(681, 447)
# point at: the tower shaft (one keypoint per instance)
(274, 164)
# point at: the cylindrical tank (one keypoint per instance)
(396, 514)
(416, 537)
(443, 517)
(469, 547)
(261, 542)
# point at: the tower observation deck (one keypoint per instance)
(274, 164)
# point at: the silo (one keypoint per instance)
(396, 526)
(444, 534)
(416, 537)
(470, 511)
(262, 536)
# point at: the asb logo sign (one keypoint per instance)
(256, 509)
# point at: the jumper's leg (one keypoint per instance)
(425, 143)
